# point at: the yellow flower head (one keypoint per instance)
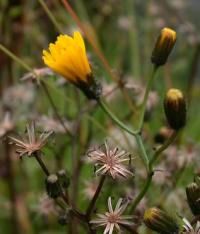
(67, 57)
(163, 47)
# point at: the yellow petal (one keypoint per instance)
(79, 40)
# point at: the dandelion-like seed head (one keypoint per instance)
(111, 161)
(113, 218)
(30, 143)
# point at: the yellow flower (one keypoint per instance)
(67, 57)
(163, 47)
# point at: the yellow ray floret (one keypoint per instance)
(67, 57)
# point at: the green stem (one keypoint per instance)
(144, 102)
(51, 16)
(151, 171)
(115, 119)
(15, 58)
(144, 156)
(142, 192)
(124, 127)
(162, 148)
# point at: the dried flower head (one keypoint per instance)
(188, 229)
(68, 58)
(113, 218)
(32, 142)
(110, 161)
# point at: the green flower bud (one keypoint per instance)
(53, 186)
(175, 109)
(163, 46)
(159, 221)
(193, 198)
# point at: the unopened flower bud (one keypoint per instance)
(159, 221)
(175, 109)
(53, 186)
(63, 178)
(193, 198)
(163, 46)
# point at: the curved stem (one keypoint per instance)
(114, 118)
(144, 156)
(144, 102)
(151, 171)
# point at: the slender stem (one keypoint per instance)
(142, 192)
(144, 156)
(54, 107)
(42, 165)
(94, 199)
(151, 171)
(114, 118)
(51, 16)
(162, 148)
(144, 102)
(124, 127)
(16, 59)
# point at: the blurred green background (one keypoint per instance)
(125, 31)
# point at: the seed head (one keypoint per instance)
(113, 218)
(30, 143)
(111, 161)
